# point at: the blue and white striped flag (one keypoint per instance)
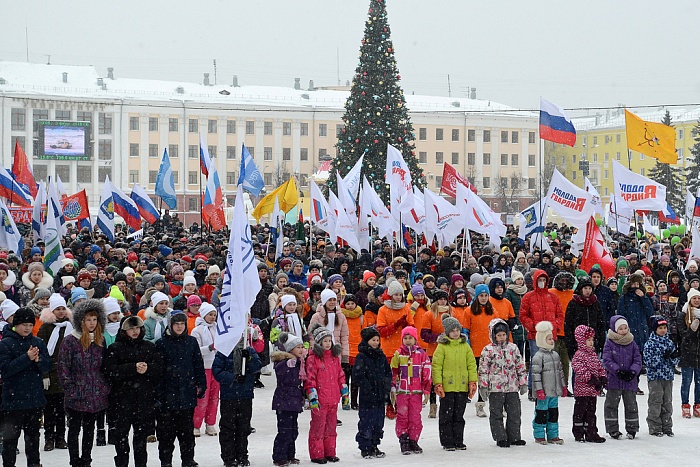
(53, 250)
(10, 237)
(105, 216)
(38, 227)
(250, 176)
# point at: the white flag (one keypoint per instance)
(320, 212)
(415, 218)
(277, 228)
(596, 200)
(53, 250)
(533, 219)
(539, 240)
(363, 222)
(352, 179)
(569, 201)
(345, 198)
(637, 190)
(478, 216)
(54, 203)
(689, 204)
(695, 245)
(442, 218)
(38, 226)
(381, 217)
(10, 238)
(621, 215)
(648, 228)
(398, 177)
(242, 270)
(344, 227)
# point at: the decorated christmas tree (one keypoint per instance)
(375, 112)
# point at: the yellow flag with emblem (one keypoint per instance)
(652, 139)
(288, 195)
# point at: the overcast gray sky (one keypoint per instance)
(575, 53)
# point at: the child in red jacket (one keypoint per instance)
(590, 380)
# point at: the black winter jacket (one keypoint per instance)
(581, 312)
(22, 386)
(183, 371)
(372, 373)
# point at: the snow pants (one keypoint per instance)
(584, 417)
(284, 448)
(14, 422)
(408, 420)
(209, 404)
(234, 429)
(322, 432)
(370, 427)
(546, 422)
(172, 425)
(510, 402)
(612, 403)
(660, 403)
(451, 422)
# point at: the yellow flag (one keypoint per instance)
(653, 139)
(288, 195)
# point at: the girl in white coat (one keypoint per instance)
(205, 328)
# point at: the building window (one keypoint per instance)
(193, 125)
(504, 136)
(267, 177)
(486, 159)
(322, 153)
(680, 133)
(606, 172)
(134, 176)
(251, 151)
(153, 151)
(514, 137)
(455, 158)
(39, 114)
(231, 178)
(531, 183)
(193, 204)
(339, 130)
(18, 117)
(486, 182)
(606, 191)
(105, 123)
(595, 140)
(152, 175)
(438, 182)
(267, 153)
(422, 157)
(304, 154)
(455, 134)
(471, 159)
(212, 151)
(103, 173)
(573, 159)
(193, 151)
(438, 158)
(504, 159)
(40, 172)
(286, 128)
(606, 157)
(573, 175)
(422, 134)
(595, 157)
(152, 123)
(286, 154)
(104, 150)
(83, 116)
(438, 134)
(173, 151)
(267, 128)
(192, 177)
(85, 174)
(531, 137)
(322, 129)
(617, 138)
(531, 160)
(211, 126)
(515, 183)
(173, 124)
(514, 159)
(230, 152)
(133, 124)
(304, 129)
(17, 139)
(641, 156)
(176, 178)
(231, 127)
(618, 157)
(504, 182)
(471, 135)
(250, 127)
(133, 149)
(679, 151)
(63, 115)
(608, 138)
(487, 136)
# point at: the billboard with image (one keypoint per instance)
(64, 141)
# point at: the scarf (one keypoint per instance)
(112, 328)
(443, 309)
(294, 324)
(585, 301)
(392, 305)
(356, 313)
(158, 329)
(53, 340)
(331, 325)
(518, 289)
(618, 339)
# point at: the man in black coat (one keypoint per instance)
(260, 311)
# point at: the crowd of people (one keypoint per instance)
(386, 332)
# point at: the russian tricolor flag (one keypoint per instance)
(126, 208)
(13, 191)
(148, 210)
(555, 125)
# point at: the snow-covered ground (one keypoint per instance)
(683, 449)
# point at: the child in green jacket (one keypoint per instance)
(455, 378)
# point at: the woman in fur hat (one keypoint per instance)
(33, 279)
(56, 326)
(86, 390)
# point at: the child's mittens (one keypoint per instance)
(472, 389)
(603, 382)
(523, 389)
(47, 383)
(564, 392)
(415, 306)
(439, 390)
(596, 383)
(201, 392)
(541, 395)
(671, 354)
(275, 334)
(345, 396)
(291, 362)
(695, 325)
(484, 393)
(312, 395)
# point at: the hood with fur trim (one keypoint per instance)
(46, 281)
(633, 279)
(47, 315)
(83, 307)
(280, 356)
(443, 339)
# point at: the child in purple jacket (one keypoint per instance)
(288, 400)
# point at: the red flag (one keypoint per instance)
(23, 172)
(450, 178)
(75, 207)
(214, 216)
(595, 251)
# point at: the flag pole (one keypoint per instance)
(201, 202)
(636, 226)
(542, 207)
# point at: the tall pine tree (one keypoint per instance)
(670, 175)
(692, 172)
(375, 112)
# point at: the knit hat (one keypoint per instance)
(544, 329)
(56, 301)
(378, 291)
(158, 297)
(622, 263)
(457, 277)
(498, 326)
(193, 300)
(515, 275)
(348, 298)
(335, 277)
(35, 266)
(127, 270)
(320, 332)
(657, 321)
(285, 262)
(612, 280)
(368, 333)
(326, 295)
(157, 278)
(663, 258)
(439, 293)
(115, 293)
(165, 250)
(388, 270)
(91, 267)
(132, 256)
(35, 251)
(189, 279)
(8, 308)
(476, 279)
(213, 269)
(78, 293)
(111, 305)
(395, 288)
(428, 278)
(449, 323)
(411, 331)
(289, 298)
(417, 289)
(67, 280)
(481, 288)
(152, 265)
(84, 276)
(23, 315)
(367, 275)
(206, 308)
(289, 341)
(41, 292)
(131, 322)
(176, 269)
(178, 316)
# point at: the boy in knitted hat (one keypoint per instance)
(589, 381)
(455, 378)
(23, 362)
(548, 384)
(355, 319)
(660, 357)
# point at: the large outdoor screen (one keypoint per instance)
(64, 141)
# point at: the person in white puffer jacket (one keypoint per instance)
(205, 328)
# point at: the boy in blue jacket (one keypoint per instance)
(660, 357)
(24, 360)
(236, 401)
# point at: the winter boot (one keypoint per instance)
(595, 438)
(196, 433)
(503, 443)
(541, 441)
(369, 454)
(616, 435)
(686, 410)
(354, 389)
(111, 435)
(211, 430)
(49, 444)
(433, 411)
(480, 409)
(696, 410)
(390, 412)
(60, 443)
(558, 441)
(415, 449)
(519, 442)
(101, 438)
(405, 444)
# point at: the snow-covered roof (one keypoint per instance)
(82, 82)
(616, 118)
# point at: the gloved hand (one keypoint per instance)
(255, 321)
(415, 306)
(211, 347)
(312, 395)
(595, 382)
(291, 362)
(47, 383)
(256, 334)
(523, 389)
(472, 389)
(695, 325)
(564, 392)
(484, 393)
(671, 354)
(439, 391)
(275, 334)
(245, 353)
(541, 395)
(201, 392)
(603, 381)
(402, 323)
(626, 375)
(345, 397)
(240, 379)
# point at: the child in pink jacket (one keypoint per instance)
(590, 380)
(324, 386)
(412, 381)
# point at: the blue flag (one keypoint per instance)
(165, 183)
(250, 176)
